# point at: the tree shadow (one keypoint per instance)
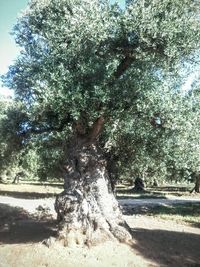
(159, 191)
(38, 183)
(195, 224)
(51, 184)
(141, 196)
(189, 212)
(171, 188)
(18, 226)
(168, 248)
(26, 195)
(135, 210)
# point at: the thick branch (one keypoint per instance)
(96, 129)
(79, 128)
(129, 58)
(156, 49)
(128, 52)
(123, 66)
(69, 9)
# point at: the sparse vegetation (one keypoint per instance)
(185, 213)
(23, 235)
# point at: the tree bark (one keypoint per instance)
(87, 210)
(138, 185)
(17, 177)
(196, 188)
(197, 185)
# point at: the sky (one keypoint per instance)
(9, 10)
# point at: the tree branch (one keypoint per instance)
(156, 49)
(123, 66)
(69, 9)
(96, 129)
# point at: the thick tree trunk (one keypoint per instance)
(87, 210)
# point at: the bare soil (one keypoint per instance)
(26, 223)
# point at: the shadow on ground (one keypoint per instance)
(168, 248)
(18, 226)
(154, 192)
(188, 212)
(26, 195)
(140, 196)
(171, 188)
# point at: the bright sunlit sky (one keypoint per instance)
(9, 10)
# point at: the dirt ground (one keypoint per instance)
(157, 243)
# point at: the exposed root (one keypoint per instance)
(121, 232)
(49, 241)
(72, 237)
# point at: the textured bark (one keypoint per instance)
(87, 210)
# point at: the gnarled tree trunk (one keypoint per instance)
(87, 209)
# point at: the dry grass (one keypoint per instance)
(38, 255)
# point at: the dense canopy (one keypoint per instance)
(82, 58)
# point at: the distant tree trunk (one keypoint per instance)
(112, 169)
(16, 179)
(87, 209)
(197, 185)
(138, 185)
(155, 183)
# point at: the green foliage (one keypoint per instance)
(20, 153)
(84, 59)
(10, 141)
(167, 150)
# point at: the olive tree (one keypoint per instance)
(81, 67)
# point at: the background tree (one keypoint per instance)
(83, 67)
(163, 142)
(10, 141)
